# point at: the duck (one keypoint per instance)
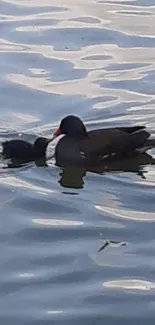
(81, 147)
(24, 151)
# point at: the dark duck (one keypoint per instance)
(24, 151)
(79, 146)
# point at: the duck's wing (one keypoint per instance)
(131, 129)
(100, 143)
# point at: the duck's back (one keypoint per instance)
(117, 141)
(18, 149)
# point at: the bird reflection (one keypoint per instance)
(73, 177)
(17, 163)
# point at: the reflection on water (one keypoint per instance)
(130, 285)
(74, 177)
(94, 59)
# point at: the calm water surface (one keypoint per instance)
(95, 59)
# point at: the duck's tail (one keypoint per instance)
(148, 145)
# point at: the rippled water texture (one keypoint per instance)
(95, 59)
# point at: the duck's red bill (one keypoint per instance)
(57, 132)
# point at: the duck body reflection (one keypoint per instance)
(73, 176)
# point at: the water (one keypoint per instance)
(94, 59)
